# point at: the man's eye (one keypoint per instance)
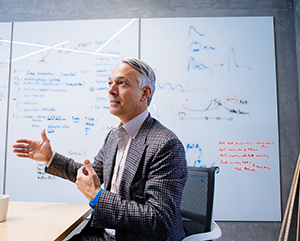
(122, 83)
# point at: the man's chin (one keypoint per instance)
(113, 111)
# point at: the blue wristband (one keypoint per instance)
(94, 201)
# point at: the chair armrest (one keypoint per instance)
(193, 216)
(215, 233)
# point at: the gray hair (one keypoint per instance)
(146, 76)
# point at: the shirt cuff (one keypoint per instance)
(51, 159)
(95, 200)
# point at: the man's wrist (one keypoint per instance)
(50, 160)
(93, 203)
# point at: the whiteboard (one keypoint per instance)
(216, 89)
(60, 72)
(5, 35)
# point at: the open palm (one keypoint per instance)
(36, 150)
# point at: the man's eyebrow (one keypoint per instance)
(119, 77)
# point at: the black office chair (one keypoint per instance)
(197, 204)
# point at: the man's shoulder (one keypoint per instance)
(158, 130)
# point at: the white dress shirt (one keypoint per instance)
(125, 133)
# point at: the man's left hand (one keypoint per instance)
(87, 181)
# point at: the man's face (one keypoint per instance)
(126, 99)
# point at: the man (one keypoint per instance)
(142, 165)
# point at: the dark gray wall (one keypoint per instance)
(287, 34)
(297, 33)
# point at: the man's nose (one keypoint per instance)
(113, 89)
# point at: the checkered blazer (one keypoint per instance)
(147, 206)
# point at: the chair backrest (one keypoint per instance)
(197, 200)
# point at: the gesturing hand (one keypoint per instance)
(36, 150)
(87, 181)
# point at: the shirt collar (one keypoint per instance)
(133, 126)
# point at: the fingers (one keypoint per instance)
(21, 150)
(23, 141)
(79, 173)
(20, 146)
(26, 141)
(87, 162)
(87, 169)
(84, 171)
(88, 166)
(22, 155)
(87, 180)
(44, 136)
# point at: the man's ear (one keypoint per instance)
(146, 90)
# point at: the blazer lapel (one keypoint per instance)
(109, 163)
(134, 157)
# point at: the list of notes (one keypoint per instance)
(246, 156)
(59, 82)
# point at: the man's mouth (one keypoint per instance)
(114, 102)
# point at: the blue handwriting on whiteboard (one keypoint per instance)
(48, 109)
(177, 87)
(196, 46)
(44, 73)
(194, 30)
(232, 53)
(196, 65)
(74, 84)
(75, 119)
(103, 88)
(191, 157)
(69, 74)
(89, 124)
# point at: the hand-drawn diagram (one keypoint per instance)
(199, 50)
(193, 156)
(215, 81)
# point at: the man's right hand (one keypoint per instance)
(36, 150)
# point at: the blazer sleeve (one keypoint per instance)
(63, 167)
(67, 168)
